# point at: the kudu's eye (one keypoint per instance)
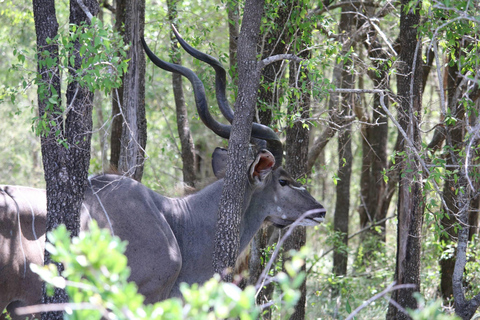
(283, 183)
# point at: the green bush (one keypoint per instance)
(96, 273)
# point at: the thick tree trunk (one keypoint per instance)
(183, 127)
(410, 202)
(46, 27)
(129, 127)
(231, 202)
(66, 145)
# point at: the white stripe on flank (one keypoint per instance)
(103, 208)
(20, 236)
(33, 226)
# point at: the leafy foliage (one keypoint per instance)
(96, 280)
(100, 67)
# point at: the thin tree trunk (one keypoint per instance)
(231, 202)
(374, 161)
(268, 102)
(463, 308)
(233, 12)
(296, 147)
(410, 202)
(345, 157)
(454, 142)
(183, 127)
(128, 110)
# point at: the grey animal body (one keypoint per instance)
(171, 240)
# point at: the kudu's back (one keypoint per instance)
(22, 241)
(125, 207)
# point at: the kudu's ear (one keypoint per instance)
(219, 162)
(262, 166)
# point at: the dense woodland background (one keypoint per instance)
(387, 95)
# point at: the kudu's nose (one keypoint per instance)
(317, 215)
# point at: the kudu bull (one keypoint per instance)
(171, 240)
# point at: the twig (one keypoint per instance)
(56, 307)
(390, 288)
(410, 144)
(290, 229)
(85, 9)
(278, 57)
(109, 7)
(350, 237)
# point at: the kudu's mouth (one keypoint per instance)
(309, 218)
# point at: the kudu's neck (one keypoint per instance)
(200, 210)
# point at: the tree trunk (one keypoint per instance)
(183, 127)
(231, 202)
(410, 202)
(345, 158)
(298, 138)
(454, 142)
(463, 308)
(374, 161)
(129, 127)
(66, 144)
(233, 11)
(268, 101)
(296, 147)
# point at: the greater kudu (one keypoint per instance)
(171, 240)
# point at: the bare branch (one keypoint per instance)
(57, 307)
(320, 143)
(318, 146)
(390, 288)
(265, 62)
(85, 9)
(263, 276)
(108, 6)
(376, 223)
(340, 4)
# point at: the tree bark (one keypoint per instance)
(454, 142)
(296, 147)
(233, 12)
(183, 127)
(410, 202)
(374, 155)
(464, 308)
(268, 101)
(66, 144)
(345, 158)
(129, 127)
(231, 202)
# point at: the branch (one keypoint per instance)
(265, 62)
(108, 6)
(85, 10)
(390, 288)
(263, 276)
(318, 146)
(400, 129)
(58, 307)
(340, 4)
(350, 237)
(320, 143)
